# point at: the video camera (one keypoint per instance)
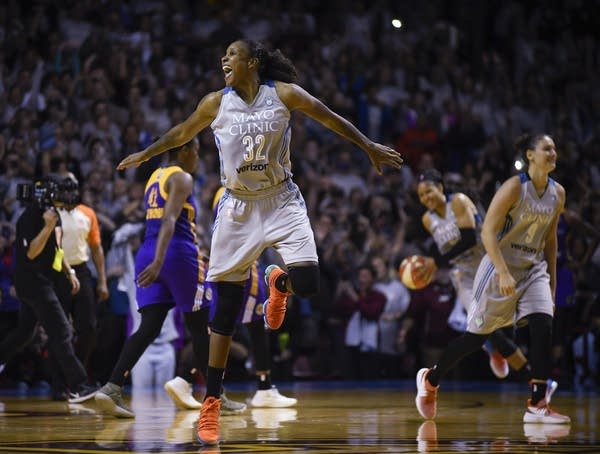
(45, 192)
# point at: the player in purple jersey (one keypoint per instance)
(168, 266)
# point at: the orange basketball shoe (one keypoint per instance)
(208, 424)
(276, 305)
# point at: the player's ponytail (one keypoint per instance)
(273, 65)
(526, 142)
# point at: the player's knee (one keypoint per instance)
(147, 332)
(305, 280)
(474, 341)
(226, 308)
(502, 343)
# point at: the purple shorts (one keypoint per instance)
(177, 282)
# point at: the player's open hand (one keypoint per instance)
(149, 274)
(506, 283)
(382, 154)
(133, 160)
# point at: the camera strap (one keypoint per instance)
(59, 253)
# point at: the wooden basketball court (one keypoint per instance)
(330, 417)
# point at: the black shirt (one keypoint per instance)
(27, 271)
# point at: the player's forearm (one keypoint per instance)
(492, 248)
(98, 259)
(174, 137)
(347, 130)
(165, 234)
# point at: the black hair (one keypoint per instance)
(272, 65)
(527, 142)
(173, 151)
(432, 175)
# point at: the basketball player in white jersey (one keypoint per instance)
(515, 280)
(454, 223)
(261, 207)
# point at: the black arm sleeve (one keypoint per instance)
(467, 240)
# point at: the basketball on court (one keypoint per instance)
(411, 272)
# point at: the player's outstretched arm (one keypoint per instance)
(179, 134)
(296, 98)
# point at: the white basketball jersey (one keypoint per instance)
(253, 140)
(446, 234)
(523, 236)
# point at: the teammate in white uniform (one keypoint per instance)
(454, 223)
(261, 206)
(516, 279)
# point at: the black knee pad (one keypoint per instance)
(226, 307)
(305, 280)
(501, 342)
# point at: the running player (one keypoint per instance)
(454, 223)
(168, 267)
(515, 280)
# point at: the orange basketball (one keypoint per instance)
(409, 272)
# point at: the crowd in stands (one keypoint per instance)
(85, 83)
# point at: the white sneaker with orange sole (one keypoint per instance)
(542, 413)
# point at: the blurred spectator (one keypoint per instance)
(397, 302)
(419, 139)
(156, 112)
(102, 129)
(345, 173)
(577, 240)
(363, 306)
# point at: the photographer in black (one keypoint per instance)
(81, 241)
(39, 262)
